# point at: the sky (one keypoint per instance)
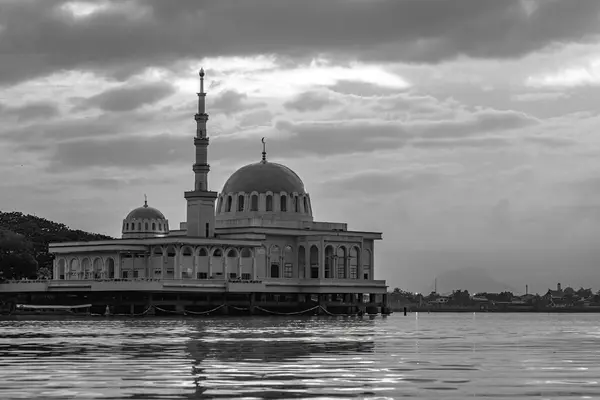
(464, 130)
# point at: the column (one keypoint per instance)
(195, 268)
(162, 266)
(177, 263)
(240, 266)
(225, 271)
(254, 265)
(210, 270)
(347, 264)
(118, 262)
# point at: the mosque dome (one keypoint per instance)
(262, 177)
(144, 222)
(145, 212)
(263, 190)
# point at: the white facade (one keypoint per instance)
(261, 228)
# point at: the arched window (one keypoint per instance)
(269, 203)
(314, 261)
(127, 226)
(341, 262)
(283, 203)
(154, 226)
(329, 260)
(275, 258)
(306, 204)
(367, 266)
(220, 204)
(145, 226)
(240, 206)
(160, 227)
(139, 226)
(296, 204)
(254, 203)
(228, 205)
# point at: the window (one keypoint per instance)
(305, 204)
(146, 226)
(254, 203)
(135, 273)
(269, 203)
(207, 230)
(246, 276)
(154, 226)
(139, 226)
(160, 227)
(274, 270)
(366, 276)
(228, 204)
(232, 275)
(202, 275)
(157, 272)
(288, 270)
(125, 274)
(127, 226)
(283, 203)
(240, 203)
(296, 204)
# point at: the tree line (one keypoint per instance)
(24, 243)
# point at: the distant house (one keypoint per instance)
(558, 297)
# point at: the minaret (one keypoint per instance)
(201, 201)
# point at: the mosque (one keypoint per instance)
(253, 244)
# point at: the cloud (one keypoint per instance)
(30, 111)
(231, 101)
(134, 152)
(388, 182)
(550, 141)
(311, 101)
(539, 96)
(126, 36)
(128, 98)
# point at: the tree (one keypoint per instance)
(16, 259)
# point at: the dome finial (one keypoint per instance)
(145, 201)
(264, 152)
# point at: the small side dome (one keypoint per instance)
(144, 222)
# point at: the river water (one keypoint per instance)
(424, 356)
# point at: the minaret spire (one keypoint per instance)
(201, 167)
(145, 201)
(201, 201)
(264, 152)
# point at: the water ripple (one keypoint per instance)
(500, 356)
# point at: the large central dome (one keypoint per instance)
(264, 177)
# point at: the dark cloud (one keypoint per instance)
(30, 111)
(134, 152)
(128, 98)
(550, 141)
(311, 101)
(231, 101)
(40, 38)
(256, 118)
